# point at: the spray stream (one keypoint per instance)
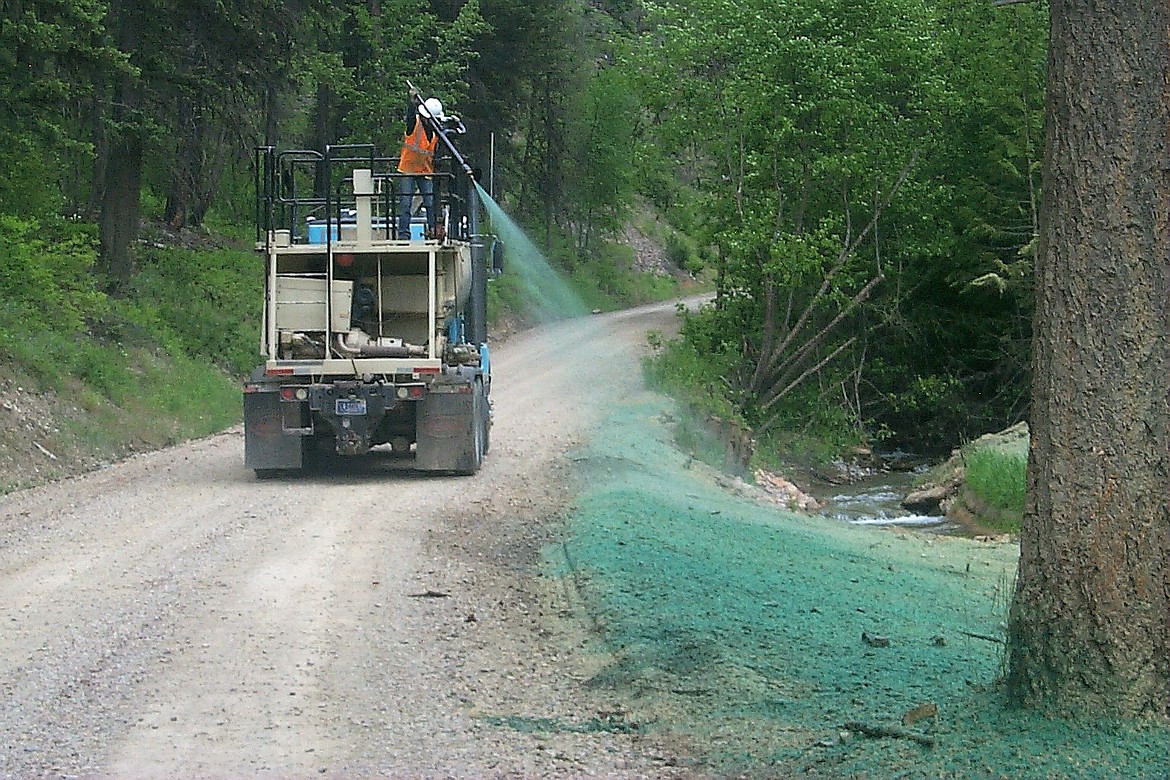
(550, 295)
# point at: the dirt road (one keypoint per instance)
(172, 616)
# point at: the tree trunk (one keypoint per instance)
(121, 164)
(101, 148)
(322, 133)
(184, 168)
(121, 206)
(1090, 621)
(270, 96)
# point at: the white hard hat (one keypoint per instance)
(433, 108)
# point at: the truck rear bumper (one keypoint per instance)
(353, 410)
(446, 420)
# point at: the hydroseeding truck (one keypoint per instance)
(370, 337)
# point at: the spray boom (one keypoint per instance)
(438, 125)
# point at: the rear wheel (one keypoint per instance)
(487, 424)
(478, 430)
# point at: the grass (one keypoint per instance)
(997, 478)
(996, 487)
(158, 365)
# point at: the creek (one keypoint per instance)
(876, 499)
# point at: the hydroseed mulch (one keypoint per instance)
(776, 644)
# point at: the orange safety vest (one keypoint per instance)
(418, 152)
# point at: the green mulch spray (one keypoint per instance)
(778, 644)
(550, 297)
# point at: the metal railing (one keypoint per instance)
(310, 194)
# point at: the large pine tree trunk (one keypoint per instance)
(1090, 622)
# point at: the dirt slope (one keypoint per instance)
(171, 616)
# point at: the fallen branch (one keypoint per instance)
(891, 732)
(984, 637)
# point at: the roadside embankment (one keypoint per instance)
(770, 642)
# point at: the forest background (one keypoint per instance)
(859, 180)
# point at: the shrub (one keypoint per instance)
(205, 304)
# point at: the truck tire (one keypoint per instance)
(478, 430)
(487, 431)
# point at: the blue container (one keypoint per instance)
(418, 230)
(317, 231)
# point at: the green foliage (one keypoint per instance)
(681, 253)
(378, 54)
(695, 378)
(198, 308)
(607, 279)
(964, 312)
(151, 368)
(602, 180)
(764, 119)
(47, 268)
(505, 297)
(793, 133)
(202, 304)
(48, 54)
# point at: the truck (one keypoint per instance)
(372, 335)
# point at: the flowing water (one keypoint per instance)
(877, 500)
(551, 297)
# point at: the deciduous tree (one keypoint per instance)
(802, 123)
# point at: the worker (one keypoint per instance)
(417, 159)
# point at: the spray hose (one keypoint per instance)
(442, 134)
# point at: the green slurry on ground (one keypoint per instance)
(738, 629)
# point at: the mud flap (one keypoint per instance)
(266, 445)
(445, 434)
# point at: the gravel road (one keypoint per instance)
(170, 616)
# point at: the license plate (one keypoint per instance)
(351, 407)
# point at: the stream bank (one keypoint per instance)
(905, 490)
